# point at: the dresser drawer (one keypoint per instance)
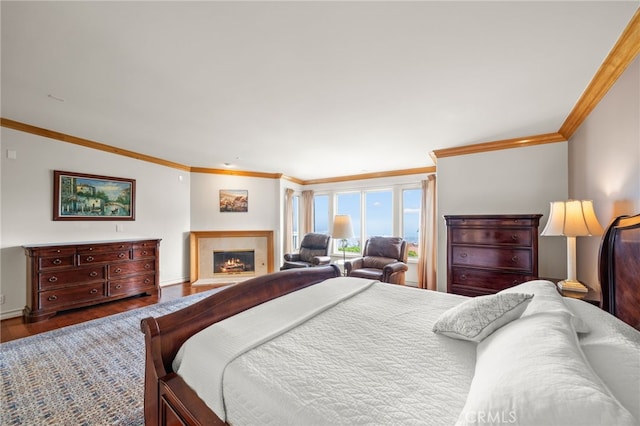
(56, 261)
(71, 295)
(101, 257)
(491, 280)
(492, 222)
(489, 236)
(102, 247)
(132, 285)
(123, 269)
(143, 252)
(488, 257)
(54, 251)
(48, 280)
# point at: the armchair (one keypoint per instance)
(383, 259)
(314, 250)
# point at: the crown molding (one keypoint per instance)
(236, 173)
(499, 145)
(623, 53)
(51, 134)
(404, 172)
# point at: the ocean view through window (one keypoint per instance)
(374, 212)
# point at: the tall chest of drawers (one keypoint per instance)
(488, 253)
(72, 275)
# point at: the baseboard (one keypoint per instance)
(10, 314)
(174, 282)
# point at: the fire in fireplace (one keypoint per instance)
(233, 262)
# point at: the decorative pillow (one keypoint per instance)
(532, 372)
(547, 299)
(477, 318)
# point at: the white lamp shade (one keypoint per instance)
(342, 228)
(572, 218)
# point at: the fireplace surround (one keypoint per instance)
(203, 245)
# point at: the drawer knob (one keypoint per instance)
(515, 282)
(463, 277)
(119, 286)
(144, 252)
(57, 262)
(118, 270)
(147, 266)
(93, 291)
(515, 259)
(52, 298)
(121, 255)
(93, 274)
(463, 255)
(90, 258)
(53, 279)
(514, 237)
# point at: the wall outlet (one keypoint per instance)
(1, 299)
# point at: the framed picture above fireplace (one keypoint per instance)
(234, 200)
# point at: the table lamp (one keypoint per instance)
(572, 218)
(342, 230)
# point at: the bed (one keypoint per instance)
(312, 347)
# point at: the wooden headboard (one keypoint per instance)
(619, 269)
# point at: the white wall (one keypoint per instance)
(518, 181)
(162, 207)
(604, 164)
(265, 206)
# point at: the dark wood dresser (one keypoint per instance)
(72, 275)
(488, 253)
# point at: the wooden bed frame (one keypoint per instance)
(169, 400)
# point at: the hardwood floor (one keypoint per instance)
(15, 328)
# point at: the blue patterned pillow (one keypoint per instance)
(480, 316)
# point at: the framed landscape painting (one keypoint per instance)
(234, 200)
(81, 196)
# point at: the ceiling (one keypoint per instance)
(308, 89)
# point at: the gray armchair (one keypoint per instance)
(383, 259)
(314, 250)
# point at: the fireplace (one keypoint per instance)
(233, 262)
(227, 257)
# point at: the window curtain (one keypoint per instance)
(288, 220)
(307, 212)
(428, 237)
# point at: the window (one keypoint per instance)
(321, 214)
(378, 214)
(411, 202)
(349, 203)
(391, 211)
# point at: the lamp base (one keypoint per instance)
(572, 285)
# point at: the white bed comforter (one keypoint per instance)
(407, 375)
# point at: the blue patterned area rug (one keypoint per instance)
(86, 374)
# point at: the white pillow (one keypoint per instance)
(613, 351)
(532, 372)
(480, 316)
(547, 299)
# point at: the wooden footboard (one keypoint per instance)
(168, 400)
